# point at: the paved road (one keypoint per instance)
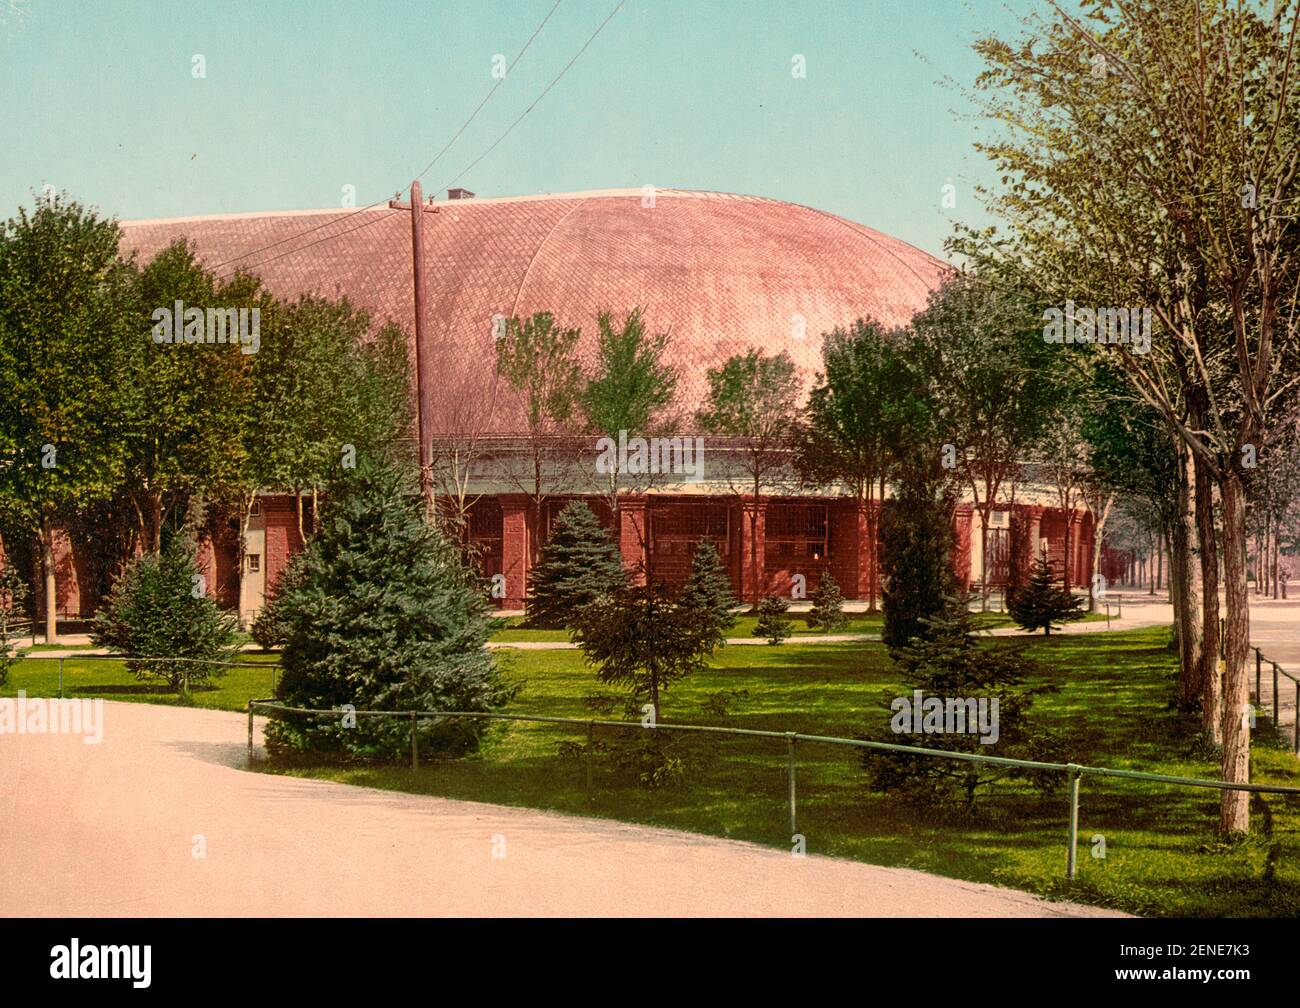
(1274, 629)
(113, 829)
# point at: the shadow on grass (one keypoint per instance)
(133, 689)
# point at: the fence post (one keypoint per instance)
(1259, 658)
(60, 678)
(591, 729)
(1276, 723)
(1107, 615)
(1075, 773)
(415, 750)
(1295, 742)
(250, 734)
(1119, 606)
(790, 739)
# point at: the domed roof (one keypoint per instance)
(719, 273)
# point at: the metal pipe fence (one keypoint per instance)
(1074, 772)
(1278, 670)
(125, 658)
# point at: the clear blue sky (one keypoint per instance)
(302, 98)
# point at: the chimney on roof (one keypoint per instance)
(459, 194)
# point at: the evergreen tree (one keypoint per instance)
(382, 614)
(1041, 602)
(828, 606)
(948, 663)
(639, 637)
(270, 629)
(13, 598)
(708, 589)
(160, 608)
(578, 566)
(916, 557)
(772, 622)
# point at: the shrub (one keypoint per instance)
(270, 629)
(1041, 603)
(639, 638)
(828, 606)
(157, 608)
(578, 565)
(772, 623)
(916, 558)
(948, 662)
(708, 589)
(382, 614)
(13, 595)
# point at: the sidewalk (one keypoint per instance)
(1148, 618)
(1274, 629)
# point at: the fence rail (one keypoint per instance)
(1074, 772)
(1259, 696)
(125, 658)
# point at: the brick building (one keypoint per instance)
(720, 273)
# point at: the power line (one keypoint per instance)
(382, 217)
(592, 38)
(446, 147)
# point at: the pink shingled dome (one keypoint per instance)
(720, 273)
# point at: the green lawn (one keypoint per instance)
(110, 679)
(1161, 855)
(1162, 858)
(511, 630)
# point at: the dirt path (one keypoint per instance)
(113, 829)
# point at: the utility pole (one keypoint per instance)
(423, 380)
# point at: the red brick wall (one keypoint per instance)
(514, 549)
(631, 535)
(219, 561)
(282, 539)
(68, 578)
(849, 553)
(848, 559)
(961, 556)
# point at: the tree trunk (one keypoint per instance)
(535, 533)
(1207, 547)
(51, 587)
(1277, 550)
(873, 550)
(1098, 534)
(240, 554)
(1234, 810)
(984, 557)
(155, 520)
(753, 547)
(1065, 574)
(1185, 572)
(1178, 600)
(1260, 538)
